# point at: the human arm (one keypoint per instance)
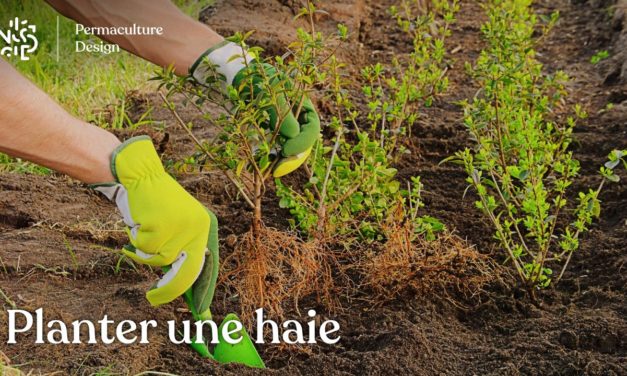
(36, 128)
(183, 41)
(167, 226)
(186, 44)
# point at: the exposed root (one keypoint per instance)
(275, 270)
(409, 263)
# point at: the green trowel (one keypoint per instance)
(243, 352)
(198, 299)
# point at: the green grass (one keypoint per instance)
(9, 371)
(83, 83)
(91, 86)
(8, 164)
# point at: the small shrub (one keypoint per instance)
(521, 166)
(353, 198)
(268, 268)
(245, 149)
(351, 183)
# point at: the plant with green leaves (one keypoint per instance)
(17, 165)
(351, 191)
(521, 166)
(396, 94)
(352, 186)
(599, 56)
(266, 99)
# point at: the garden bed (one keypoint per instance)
(57, 239)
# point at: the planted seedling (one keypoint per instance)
(521, 166)
(353, 198)
(268, 267)
(352, 185)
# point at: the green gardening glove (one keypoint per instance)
(297, 135)
(167, 227)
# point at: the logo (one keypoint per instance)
(20, 39)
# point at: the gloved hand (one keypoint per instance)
(298, 135)
(167, 227)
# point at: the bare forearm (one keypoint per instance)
(182, 42)
(34, 127)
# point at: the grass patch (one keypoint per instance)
(85, 84)
(9, 371)
(82, 83)
(8, 164)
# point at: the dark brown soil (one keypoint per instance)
(58, 239)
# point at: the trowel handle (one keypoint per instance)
(200, 348)
(189, 299)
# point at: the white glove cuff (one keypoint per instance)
(117, 193)
(223, 57)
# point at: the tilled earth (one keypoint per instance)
(58, 240)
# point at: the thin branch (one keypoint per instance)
(346, 194)
(330, 166)
(576, 235)
(181, 123)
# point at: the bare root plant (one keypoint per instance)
(268, 267)
(354, 196)
(275, 271)
(521, 164)
(406, 263)
(352, 181)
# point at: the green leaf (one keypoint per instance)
(264, 162)
(240, 167)
(613, 178)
